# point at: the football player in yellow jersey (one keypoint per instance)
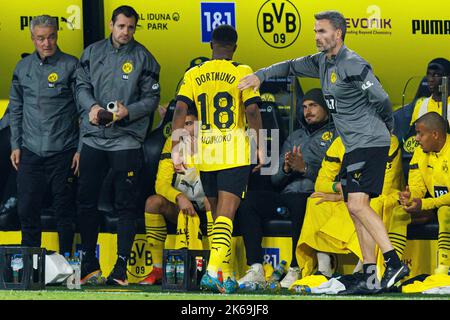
(174, 193)
(436, 69)
(328, 226)
(429, 172)
(223, 143)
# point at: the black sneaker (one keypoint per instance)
(391, 275)
(90, 271)
(363, 287)
(118, 276)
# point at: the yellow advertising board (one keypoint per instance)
(15, 18)
(398, 38)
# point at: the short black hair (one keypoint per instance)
(225, 35)
(434, 121)
(192, 111)
(336, 19)
(127, 11)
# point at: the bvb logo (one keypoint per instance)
(52, 77)
(167, 130)
(140, 261)
(127, 67)
(267, 97)
(278, 23)
(410, 144)
(327, 135)
(333, 77)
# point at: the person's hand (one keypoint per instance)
(122, 111)
(185, 205)
(415, 206)
(93, 114)
(296, 161)
(261, 155)
(249, 81)
(324, 197)
(15, 158)
(207, 204)
(404, 197)
(286, 167)
(76, 163)
(177, 159)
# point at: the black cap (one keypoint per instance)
(440, 64)
(315, 95)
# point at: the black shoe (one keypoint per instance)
(391, 275)
(363, 287)
(90, 271)
(118, 276)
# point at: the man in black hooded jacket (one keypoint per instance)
(300, 160)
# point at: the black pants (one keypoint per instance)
(94, 166)
(35, 174)
(260, 206)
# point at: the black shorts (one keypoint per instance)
(363, 171)
(233, 180)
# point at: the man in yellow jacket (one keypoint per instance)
(428, 173)
(175, 194)
(328, 227)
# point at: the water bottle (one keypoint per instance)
(250, 286)
(283, 212)
(73, 281)
(16, 266)
(199, 269)
(179, 270)
(302, 289)
(279, 271)
(67, 257)
(170, 270)
(77, 270)
(273, 287)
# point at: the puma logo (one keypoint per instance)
(185, 183)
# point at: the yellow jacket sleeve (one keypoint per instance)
(393, 176)
(416, 110)
(331, 165)
(416, 182)
(164, 177)
(431, 203)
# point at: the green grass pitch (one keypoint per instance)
(137, 292)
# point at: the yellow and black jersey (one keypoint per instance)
(169, 183)
(430, 172)
(425, 105)
(212, 87)
(331, 166)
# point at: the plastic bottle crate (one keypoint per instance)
(192, 276)
(31, 276)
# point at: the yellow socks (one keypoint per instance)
(397, 229)
(209, 226)
(156, 231)
(221, 243)
(227, 264)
